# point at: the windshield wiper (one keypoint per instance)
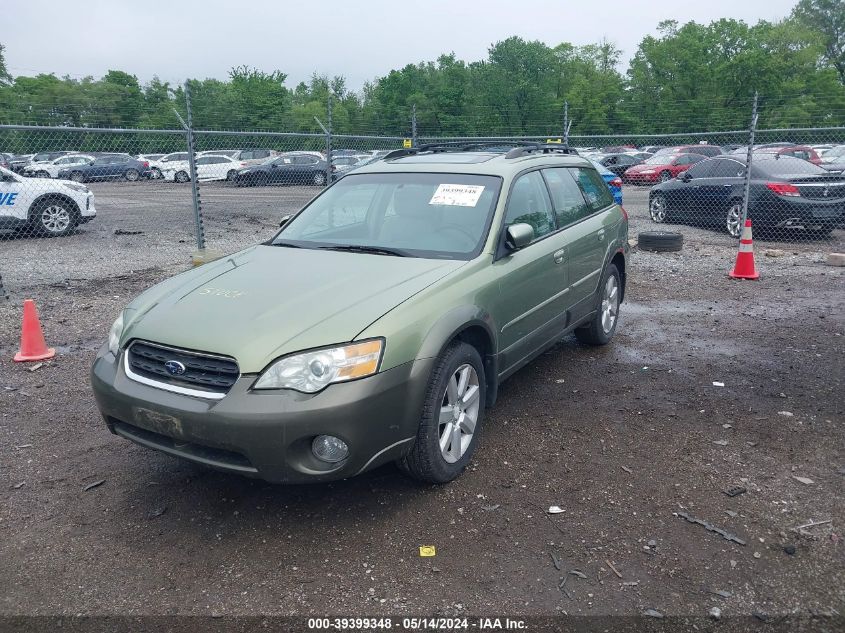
(287, 244)
(355, 248)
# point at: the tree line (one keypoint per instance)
(685, 77)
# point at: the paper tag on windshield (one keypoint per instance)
(457, 195)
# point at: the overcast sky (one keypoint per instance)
(360, 39)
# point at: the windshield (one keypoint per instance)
(427, 215)
(659, 159)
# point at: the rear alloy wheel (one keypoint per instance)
(734, 219)
(232, 175)
(451, 417)
(665, 176)
(601, 328)
(54, 218)
(131, 175)
(657, 209)
(181, 176)
(77, 176)
(319, 178)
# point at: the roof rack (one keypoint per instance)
(523, 148)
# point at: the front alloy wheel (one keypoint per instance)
(657, 208)
(319, 178)
(734, 219)
(665, 176)
(54, 219)
(451, 419)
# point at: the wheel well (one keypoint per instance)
(479, 338)
(619, 261)
(54, 197)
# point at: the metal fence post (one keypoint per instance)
(566, 122)
(3, 295)
(414, 125)
(192, 162)
(328, 130)
(747, 186)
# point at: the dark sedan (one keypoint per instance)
(288, 169)
(110, 167)
(785, 192)
(619, 163)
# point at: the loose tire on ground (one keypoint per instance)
(660, 241)
(427, 459)
(602, 327)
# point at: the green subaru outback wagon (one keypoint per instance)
(377, 324)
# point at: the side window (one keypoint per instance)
(595, 189)
(261, 153)
(568, 202)
(726, 169)
(529, 204)
(247, 155)
(704, 169)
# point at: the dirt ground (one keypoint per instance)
(626, 439)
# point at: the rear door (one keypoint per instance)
(532, 302)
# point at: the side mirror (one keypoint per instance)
(519, 236)
(285, 219)
(686, 176)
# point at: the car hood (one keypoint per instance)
(643, 167)
(269, 301)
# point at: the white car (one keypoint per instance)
(165, 162)
(45, 207)
(209, 167)
(51, 168)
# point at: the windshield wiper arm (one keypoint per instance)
(355, 248)
(287, 244)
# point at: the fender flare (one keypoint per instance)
(53, 196)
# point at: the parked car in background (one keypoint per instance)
(614, 182)
(18, 162)
(787, 192)
(254, 156)
(344, 164)
(620, 163)
(157, 166)
(51, 168)
(834, 159)
(231, 153)
(797, 151)
(209, 167)
(5, 160)
(43, 207)
(287, 169)
(651, 149)
(702, 149)
(660, 168)
(111, 167)
(150, 158)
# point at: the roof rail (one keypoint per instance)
(526, 149)
(522, 148)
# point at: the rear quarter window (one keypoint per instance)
(595, 190)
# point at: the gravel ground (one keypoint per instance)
(623, 438)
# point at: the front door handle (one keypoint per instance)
(559, 256)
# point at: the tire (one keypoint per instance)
(426, 461)
(54, 217)
(734, 219)
(665, 176)
(132, 175)
(660, 241)
(233, 173)
(319, 178)
(181, 176)
(602, 327)
(155, 173)
(657, 208)
(77, 176)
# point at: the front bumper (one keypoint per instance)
(268, 434)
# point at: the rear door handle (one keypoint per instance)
(559, 256)
(601, 235)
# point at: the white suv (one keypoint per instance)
(41, 206)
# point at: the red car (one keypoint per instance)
(798, 151)
(660, 168)
(701, 148)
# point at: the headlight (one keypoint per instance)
(310, 372)
(76, 187)
(114, 335)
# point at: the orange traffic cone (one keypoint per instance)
(744, 267)
(33, 346)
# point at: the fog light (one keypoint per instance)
(329, 448)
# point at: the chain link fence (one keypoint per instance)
(86, 203)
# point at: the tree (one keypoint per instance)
(827, 19)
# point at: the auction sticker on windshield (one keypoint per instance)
(457, 195)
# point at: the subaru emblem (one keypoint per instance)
(174, 367)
